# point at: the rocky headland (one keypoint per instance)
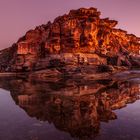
(77, 45)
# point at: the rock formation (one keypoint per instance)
(78, 39)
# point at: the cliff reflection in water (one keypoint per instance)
(74, 108)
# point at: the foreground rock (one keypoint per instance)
(75, 44)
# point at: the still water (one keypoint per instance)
(68, 110)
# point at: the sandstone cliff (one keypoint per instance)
(79, 39)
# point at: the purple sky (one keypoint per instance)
(18, 16)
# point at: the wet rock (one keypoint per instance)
(47, 75)
(105, 68)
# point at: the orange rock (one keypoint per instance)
(81, 31)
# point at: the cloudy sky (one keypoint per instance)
(18, 16)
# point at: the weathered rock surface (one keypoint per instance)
(78, 39)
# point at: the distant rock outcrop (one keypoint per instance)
(78, 39)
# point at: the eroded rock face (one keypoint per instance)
(78, 38)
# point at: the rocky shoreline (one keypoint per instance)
(53, 76)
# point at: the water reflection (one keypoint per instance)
(72, 107)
